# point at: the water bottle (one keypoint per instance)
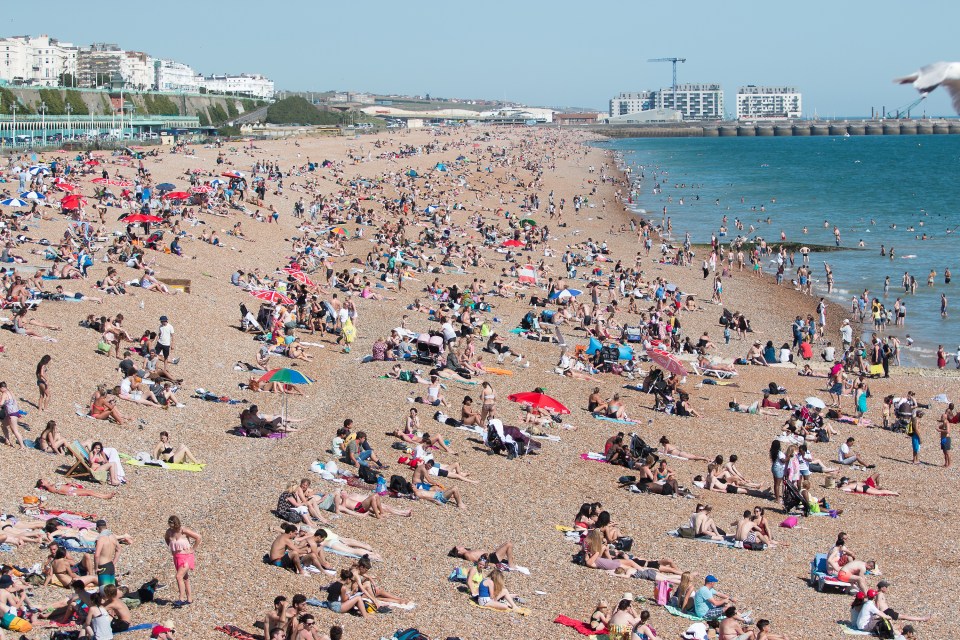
(381, 484)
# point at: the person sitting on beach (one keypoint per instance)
(730, 471)
(431, 467)
(597, 555)
(424, 489)
(783, 402)
(411, 434)
(755, 355)
(284, 552)
(713, 483)
(50, 439)
(397, 373)
(600, 619)
(870, 487)
(848, 456)
(256, 425)
(62, 568)
(469, 416)
(346, 595)
(683, 408)
(612, 408)
(359, 453)
(492, 593)
(434, 395)
(854, 572)
(708, 603)
(670, 450)
(132, 390)
(749, 532)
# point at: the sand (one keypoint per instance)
(520, 500)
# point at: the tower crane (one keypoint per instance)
(674, 61)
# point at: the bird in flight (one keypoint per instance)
(928, 78)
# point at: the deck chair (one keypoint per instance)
(81, 467)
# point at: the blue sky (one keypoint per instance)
(842, 55)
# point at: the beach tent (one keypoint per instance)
(412, 174)
(625, 351)
(441, 167)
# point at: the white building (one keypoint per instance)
(39, 60)
(254, 86)
(768, 103)
(693, 101)
(175, 77)
(137, 71)
(627, 103)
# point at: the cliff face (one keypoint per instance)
(216, 109)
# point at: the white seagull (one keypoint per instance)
(934, 75)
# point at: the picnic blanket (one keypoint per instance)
(583, 628)
(523, 611)
(681, 614)
(235, 632)
(850, 631)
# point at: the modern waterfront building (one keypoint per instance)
(39, 60)
(650, 116)
(768, 103)
(628, 102)
(254, 86)
(694, 101)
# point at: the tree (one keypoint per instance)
(67, 80)
(297, 110)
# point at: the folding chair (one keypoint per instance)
(81, 467)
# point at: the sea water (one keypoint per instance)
(877, 190)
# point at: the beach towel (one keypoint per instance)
(475, 429)
(583, 628)
(595, 457)
(617, 420)
(520, 610)
(137, 627)
(680, 614)
(720, 543)
(495, 370)
(850, 631)
(235, 632)
(158, 464)
(6, 548)
(547, 437)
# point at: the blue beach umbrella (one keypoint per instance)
(32, 195)
(39, 168)
(165, 186)
(14, 202)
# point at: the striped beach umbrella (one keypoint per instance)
(38, 168)
(32, 195)
(273, 297)
(285, 376)
(14, 202)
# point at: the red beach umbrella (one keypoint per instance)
(203, 188)
(667, 361)
(142, 217)
(271, 296)
(539, 400)
(513, 243)
(177, 195)
(73, 201)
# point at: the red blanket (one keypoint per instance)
(579, 626)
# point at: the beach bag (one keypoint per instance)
(103, 347)
(884, 629)
(661, 592)
(367, 474)
(790, 523)
(19, 625)
(623, 543)
(409, 634)
(686, 532)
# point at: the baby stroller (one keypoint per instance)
(792, 499)
(429, 349)
(633, 334)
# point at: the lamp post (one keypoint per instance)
(43, 120)
(13, 110)
(69, 127)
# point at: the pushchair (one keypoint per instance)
(792, 499)
(429, 349)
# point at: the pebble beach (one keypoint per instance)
(522, 500)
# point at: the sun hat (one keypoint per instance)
(627, 596)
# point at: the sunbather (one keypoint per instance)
(370, 505)
(669, 449)
(870, 487)
(72, 489)
(502, 554)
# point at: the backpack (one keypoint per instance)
(409, 634)
(367, 474)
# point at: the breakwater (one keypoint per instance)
(779, 129)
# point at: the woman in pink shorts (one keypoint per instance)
(183, 544)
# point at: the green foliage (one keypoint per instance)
(229, 131)
(53, 100)
(232, 109)
(75, 100)
(159, 105)
(297, 110)
(248, 105)
(107, 105)
(217, 114)
(67, 80)
(204, 120)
